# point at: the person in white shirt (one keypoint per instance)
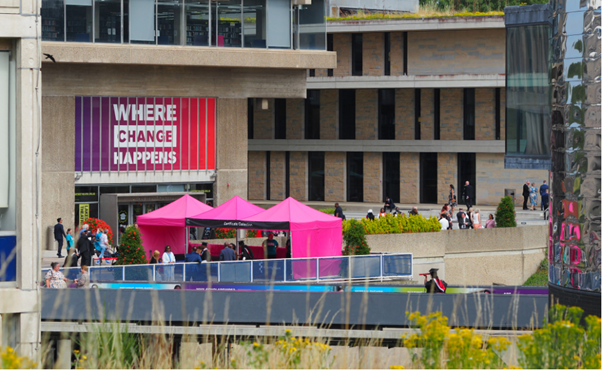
(444, 223)
(168, 258)
(104, 242)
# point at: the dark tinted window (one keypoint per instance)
(280, 118)
(316, 175)
(387, 54)
(417, 96)
(437, 109)
(469, 119)
(386, 114)
(330, 47)
(86, 194)
(250, 117)
(356, 54)
(355, 177)
(312, 114)
(391, 176)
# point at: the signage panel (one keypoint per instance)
(144, 134)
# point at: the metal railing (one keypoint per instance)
(320, 269)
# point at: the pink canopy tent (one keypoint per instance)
(167, 225)
(313, 233)
(227, 215)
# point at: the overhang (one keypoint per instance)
(408, 82)
(416, 24)
(161, 55)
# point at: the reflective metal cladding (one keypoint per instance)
(574, 244)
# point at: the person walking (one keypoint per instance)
(468, 195)
(338, 211)
(543, 188)
(533, 196)
(452, 199)
(525, 195)
(545, 199)
(59, 233)
(69, 238)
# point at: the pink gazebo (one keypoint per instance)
(226, 215)
(167, 225)
(313, 233)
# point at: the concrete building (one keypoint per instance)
(151, 98)
(20, 191)
(413, 106)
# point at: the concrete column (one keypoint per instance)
(231, 159)
(341, 43)
(295, 116)
(451, 114)
(485, 114)
(63, 360)
(427, 114)
(277, 175)
(366, 114)
(447, 173)
(329, 114)
(404, 114)
(409, 173)
(373, 46)
(257, 176)
(334, 176)
(298, 175)
(396, 56)
(373, 184)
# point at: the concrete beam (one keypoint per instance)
(416, 24)
(406, 146)
(160, 55)
(407, 82)
(16, 26)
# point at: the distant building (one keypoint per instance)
(345, 7)
(413, 106)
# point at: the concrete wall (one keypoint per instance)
(451, 114)
(373, 186)
(277, 175)
(396, 54)
(257, 175)
(58, 178)
(329, 114)
(471, 257)
(334, 176)
(341, 43)
(447, 173)
(298, 172)
(295, 118)
(366, 114)
(485, 114)
(493, 178)
(373, 50)
(427, 114)
(457, 52)
(404, 114)
(231, 150)
(409, 173)
(263, 120)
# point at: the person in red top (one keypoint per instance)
(435, 285)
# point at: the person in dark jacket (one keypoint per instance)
(245, 252)
(542, 189)
(84, 248)
(525, 194)
(59, 234)
(205, 253)
(370, 215)
(227, 254)
(435, 285)
(461, 217)
(389, 204)
(193, 256)
(468, 195)
(338, 211)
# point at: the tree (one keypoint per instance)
(354, 237)
(131, 251)
(505, 215)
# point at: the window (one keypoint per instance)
(144, 188)
(469, 119)
(386, 114)
(387, 53)
(312, 114)
(53, 23)
(330, 47)
(312, 73)
(428, 178)
(405, 53)
(356, 54)
(254, 33)
(316, 175)
(79, 21)
(355, 177)
(311, 25)
(347, 114)
(437, 106)
(250, 117)
(417, 114)
(497, 114)
(279, 118)
(142, 21)
(168, 21)
(391, 176)
(268, 187)
(466, 172)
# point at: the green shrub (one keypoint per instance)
(355, 239)
(131, 251)
(328, 211)
(390, 224)
(505, 215)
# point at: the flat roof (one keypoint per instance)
(417, 24)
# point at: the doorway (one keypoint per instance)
(428, 178)
(467, 171)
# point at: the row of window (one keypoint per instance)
(227, 23)
(357, 54)
(386, 115)
(428, 181)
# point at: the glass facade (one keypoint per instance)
(225, 23)
(527, 91)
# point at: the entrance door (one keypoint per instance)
(428, 178)
(467, 171)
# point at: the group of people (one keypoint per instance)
(530, 191)
(89, 243)
(56, 280)
(471, 219)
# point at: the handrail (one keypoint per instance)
(319, 269)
